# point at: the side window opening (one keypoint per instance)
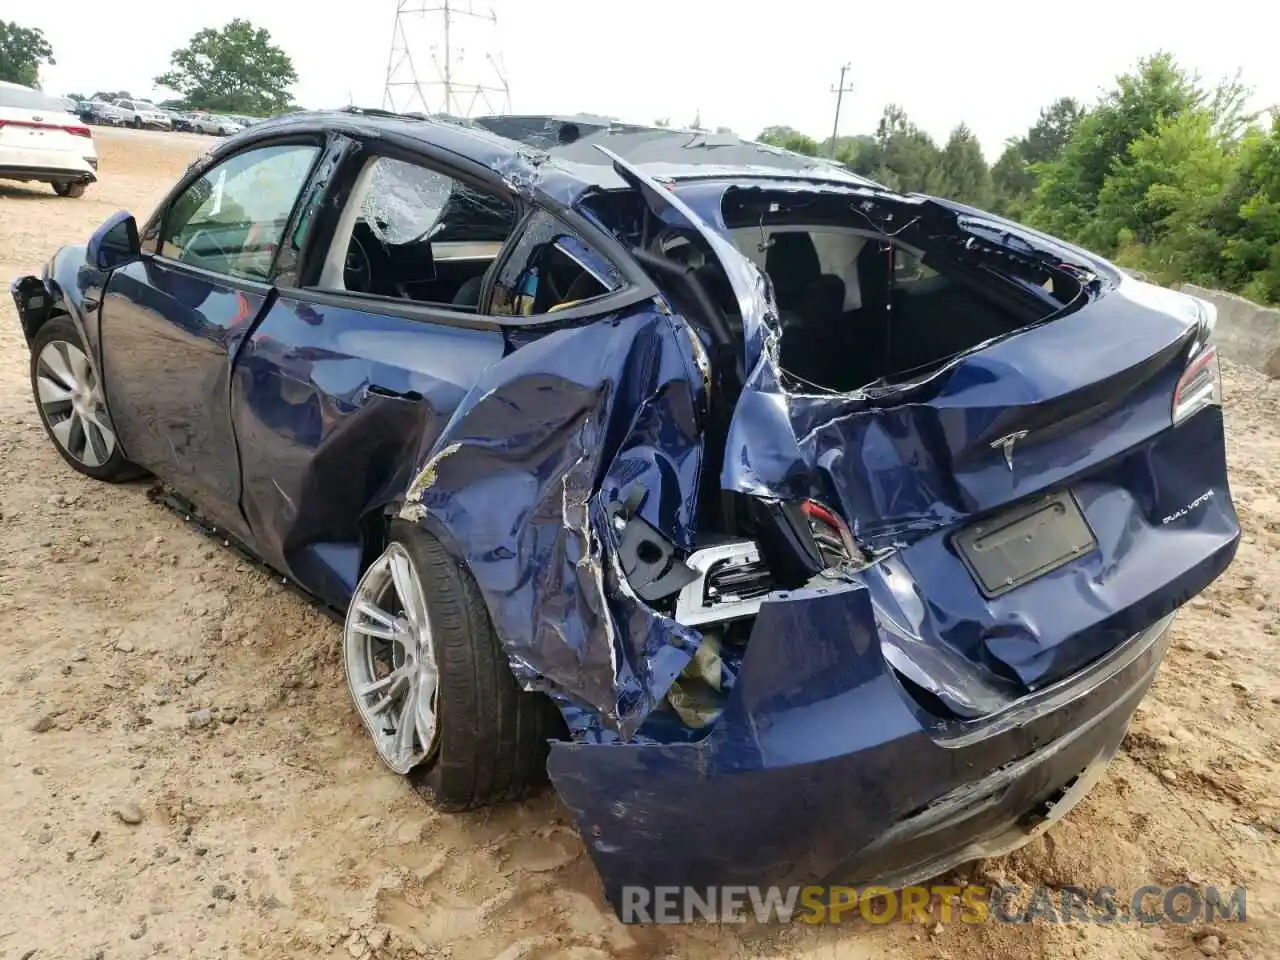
(231, 220)
(413, 233)
(551, 268)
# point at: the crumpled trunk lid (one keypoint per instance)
(1024, 414)
(1015, 499)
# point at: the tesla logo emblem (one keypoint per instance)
(36, 119)
(1005, 444)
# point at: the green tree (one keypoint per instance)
(1012, 182)
(1014, 176)
(1249, 217)
(1068, 188)
(903, 155)
(849, 150)
(1052, 131)
(788, 138)
(235, 69)
(961, 172)
(23, 50)
(1154, 210)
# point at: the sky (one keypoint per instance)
(992, 65)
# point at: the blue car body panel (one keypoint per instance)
(820, 756)
(169, 338)
(519, 483)
(305, 425)
(332, 407)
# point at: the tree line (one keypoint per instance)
(1163, 174)
(235, 68)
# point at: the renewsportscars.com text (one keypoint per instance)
(972, 903)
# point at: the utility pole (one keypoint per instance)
(839, 90)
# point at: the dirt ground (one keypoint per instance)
(150, 674)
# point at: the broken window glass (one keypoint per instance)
(407, 203)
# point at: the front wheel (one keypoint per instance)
(137, 123)
(72, 190)
(432, 684)
(72, 406)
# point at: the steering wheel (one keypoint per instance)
(201, 237)
(356, 270)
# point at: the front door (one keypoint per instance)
(172, 323)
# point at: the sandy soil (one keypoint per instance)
(151, 674)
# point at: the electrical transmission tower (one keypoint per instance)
(462, 71)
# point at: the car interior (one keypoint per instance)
(410, 233)
(857, 306)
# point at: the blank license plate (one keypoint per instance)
(1015, 547)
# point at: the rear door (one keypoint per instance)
(357, 365)
(171, 324)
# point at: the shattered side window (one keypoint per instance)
(418, 235)
(551, 268)
(407, 203)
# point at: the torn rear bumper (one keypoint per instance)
(825, 769)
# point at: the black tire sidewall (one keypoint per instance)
(491, 743)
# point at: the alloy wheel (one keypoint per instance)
(390, 662)
(71, 400)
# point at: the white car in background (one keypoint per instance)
(214, 124)
(41, 140)
(144, 113)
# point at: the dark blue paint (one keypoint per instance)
(307, 423)
(333, 406)
(819, 753)
(169, 337)
(115, 243)
(518, 484)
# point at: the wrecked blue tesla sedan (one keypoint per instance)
(800, 530)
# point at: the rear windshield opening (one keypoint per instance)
(860, 305)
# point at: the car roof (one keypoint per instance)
(566, 172)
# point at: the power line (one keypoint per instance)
(455, 86)
(839, 90)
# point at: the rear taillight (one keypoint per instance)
(830, 533)
(1199, 386)
(77, 130)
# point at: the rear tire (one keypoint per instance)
(72, 406)
(72, 190)
(137, 123)
(489, 741)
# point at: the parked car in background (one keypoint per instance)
(830, 534)
(102, 113)
(144, 113)
(212, 124)
(42, 140)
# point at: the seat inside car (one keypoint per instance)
(798, 281)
